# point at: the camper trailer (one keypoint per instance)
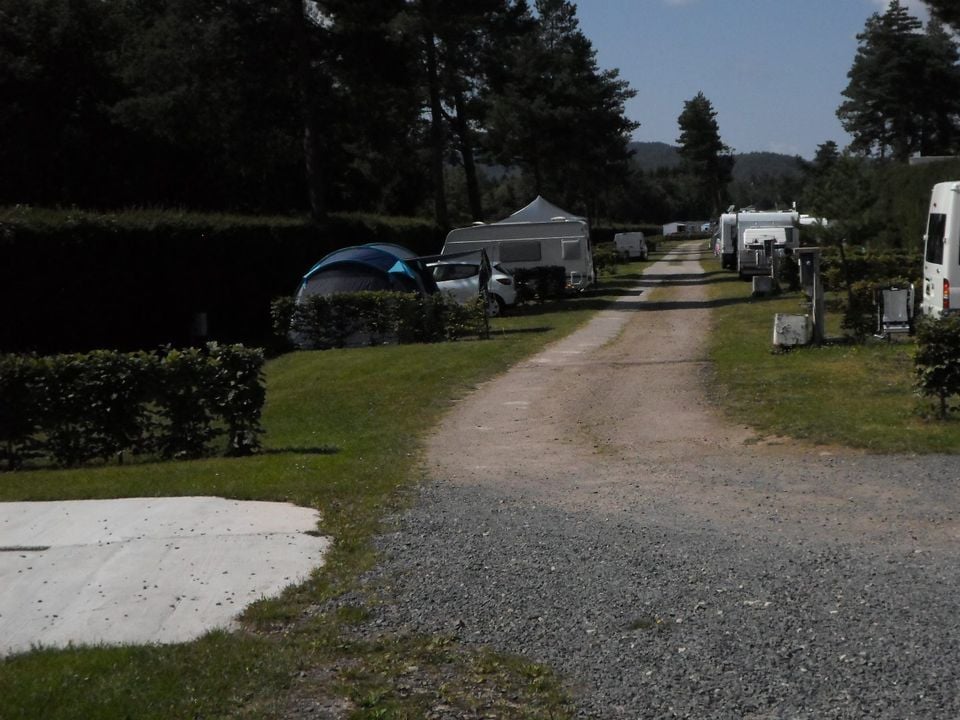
(735, 254)
(541, 234)
(631, 245)
(941, 256)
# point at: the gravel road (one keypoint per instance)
(590, 510)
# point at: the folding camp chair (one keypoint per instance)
(894, 311)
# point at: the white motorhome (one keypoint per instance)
(941, 256)
(736, 255)
(631, 245)
(537, 235)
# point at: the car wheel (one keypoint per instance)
(495, 306)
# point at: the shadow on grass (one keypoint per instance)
(320, 450)
(668, 279)
(622, 305)
(520, 331)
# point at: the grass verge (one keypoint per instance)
(860, 396)
(344, 429)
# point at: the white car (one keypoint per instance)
(462, 280)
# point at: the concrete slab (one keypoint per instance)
(143, 570)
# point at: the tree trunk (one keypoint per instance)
(469, 165)
(436, 133)
(310, 114)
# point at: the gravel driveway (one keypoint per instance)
(590, 510)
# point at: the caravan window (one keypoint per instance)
(520, 251)
(571, 250)
(936, 230)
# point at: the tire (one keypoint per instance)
(496, 306)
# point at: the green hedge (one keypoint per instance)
(75, 281)
(865, 265)
(74, 408)
(373, 318)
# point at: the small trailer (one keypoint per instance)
(631, 245)
(941, 256)
(538, 235)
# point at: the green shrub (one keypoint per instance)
(605, 258)
(185, 404)
(937, 359)
(869, 265)
(239, 392)
(375, 317)
(19, 409)
(76, 407)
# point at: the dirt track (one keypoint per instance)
(621, 406)
(589, 509)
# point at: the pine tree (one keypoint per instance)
(902, 95)
(946, 10)
(558, 116)
(708, 160)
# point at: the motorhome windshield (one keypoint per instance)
(936, 230)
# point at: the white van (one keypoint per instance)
(941, 254)
(631, 245)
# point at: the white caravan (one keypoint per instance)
(941, 256)
(736, 255)
(538, 235)
(760, 246)
(631, 245)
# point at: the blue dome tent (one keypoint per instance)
(367, 267)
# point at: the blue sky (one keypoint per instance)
(773, 69)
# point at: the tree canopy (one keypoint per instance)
(946, 10)
(706, 156)
(287, 105)
(904, 91)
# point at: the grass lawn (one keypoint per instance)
(344, 431)
(860, 396)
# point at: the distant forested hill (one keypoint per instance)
(652, 155)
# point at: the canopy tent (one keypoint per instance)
(539, 210)
(367, 267)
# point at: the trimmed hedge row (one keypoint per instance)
(74, 281)
(374, 318)
(870, 265)
(74, 408)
